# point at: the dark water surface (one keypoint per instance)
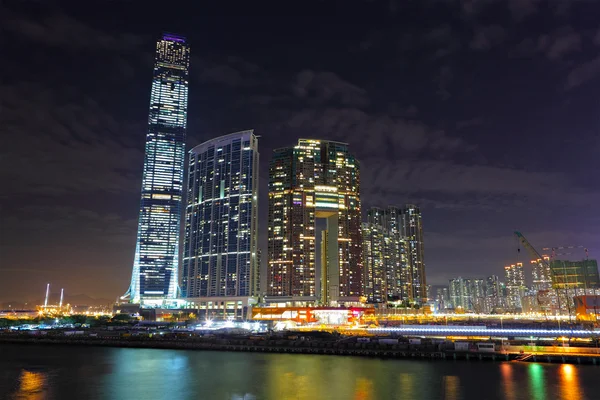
(63, 372)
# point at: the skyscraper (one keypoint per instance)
(384, 256)
(515, 285)
(460, 293)
(314, 179)
(155, 267)
(221, 231)
(494, 294)
(411, 228)
(374, 257)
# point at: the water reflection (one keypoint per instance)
(569, 383)
(32, 386)
(451, 388)
(171, 374)
(364, 389)
(506, 370)
(407, 385)
(536, 382)
(150, 370)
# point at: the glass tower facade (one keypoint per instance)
(411, 228)
(220, 257)
(155, 267)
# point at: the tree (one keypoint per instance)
(79, 319)
(121, 318)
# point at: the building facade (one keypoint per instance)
(514, 276)
(384, 257)
(494, 295)
(460, 293)
(220, 257)
(156, 264)
(313, 180)
(411, 228)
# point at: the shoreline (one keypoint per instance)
(320, 349)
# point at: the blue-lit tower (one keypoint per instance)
(220, 257)
(155, 267)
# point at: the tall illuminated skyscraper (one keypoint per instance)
(411, 228)
(221, 234)
(314, 179)
(155, 267)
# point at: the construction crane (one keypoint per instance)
(536, 255)
(544, 261)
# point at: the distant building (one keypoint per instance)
(494, 295)
(442, 299)
(468, 294)
(541, 275)
(477, 295)
(155, 275)
(411, 228)
(384, 257)
(220, 258)
(515, 285)
(577, 276)
(312, 180)
(460, 293)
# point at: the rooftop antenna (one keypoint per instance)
(47, 294)
(61, 298)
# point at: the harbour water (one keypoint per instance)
(68, 372)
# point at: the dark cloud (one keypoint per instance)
(374, 133)
(60, 30)
(443, 80)
(230, 71)
(55, 143)
(487, 37)
(469, 123)
(523, 8)
(325, 87)
(561, 43)
(583, 73)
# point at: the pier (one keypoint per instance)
(340, 348)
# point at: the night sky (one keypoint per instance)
(483, 112)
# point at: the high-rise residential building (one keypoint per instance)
(514, 276)
(411, 228)
(384, 256)
(442, 298)
(494, 294)
(220, 257)
(541, 275)
(460, 293)
(374, 260)
(468, 294)
(155, 268)
(314, 179)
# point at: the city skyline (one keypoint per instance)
(442, 114)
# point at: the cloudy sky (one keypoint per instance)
(483, 112)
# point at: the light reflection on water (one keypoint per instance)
(569, 383)
(537, 386)
(103, 373)
(32, 386)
